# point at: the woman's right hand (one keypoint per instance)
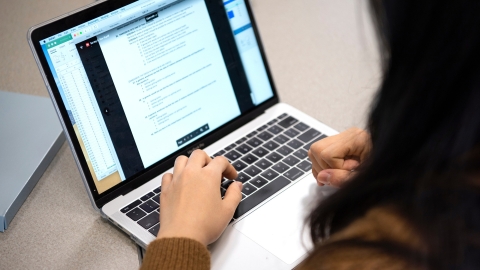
(335, 158)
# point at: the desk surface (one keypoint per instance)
(323, 58)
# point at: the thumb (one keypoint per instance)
(233, 196)
(332, 177)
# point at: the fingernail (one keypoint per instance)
(239, 184)
(324, 178)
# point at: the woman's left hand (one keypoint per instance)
(191, 205)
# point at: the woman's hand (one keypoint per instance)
(335, 158)
(190, 203)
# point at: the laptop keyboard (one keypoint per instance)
(267, 160)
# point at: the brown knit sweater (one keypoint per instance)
(378, 225)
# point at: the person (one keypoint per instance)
(410, 184)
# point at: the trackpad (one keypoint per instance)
(279, 225)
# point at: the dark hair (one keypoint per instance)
(425, 130)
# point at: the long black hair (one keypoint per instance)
(425, 130)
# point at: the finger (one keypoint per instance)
(350, 164)
(221, 166)
(315, 163)
(333, 177)
(232, 198)
(199, 159)
(180, 164)
(166, 180)
(314, 154)
(315, 175)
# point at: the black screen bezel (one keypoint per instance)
(81, 16)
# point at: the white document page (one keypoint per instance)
(170, 76)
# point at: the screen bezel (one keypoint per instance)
(91, 12)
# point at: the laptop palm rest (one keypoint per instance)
(279, 225)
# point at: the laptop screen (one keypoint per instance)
(144, 81)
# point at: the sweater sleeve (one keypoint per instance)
(176, 253)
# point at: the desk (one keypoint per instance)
(323, 58)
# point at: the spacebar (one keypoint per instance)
(260, 196)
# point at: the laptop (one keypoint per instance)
(138, 83)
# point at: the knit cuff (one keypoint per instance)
(176, 253)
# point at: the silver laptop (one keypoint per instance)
(138, 83)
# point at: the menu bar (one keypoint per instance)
(108, 21)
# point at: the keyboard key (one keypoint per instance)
(250, 159)
(150, 220)
(284, 150)
(222, 192)
(262, 128)
(244, 149)
(265, 136)
(252, 134)
(254, 142)
(291, 160)
(293, 174)
(157, 190)
(239, 165)
(155, 230)
(281, 139)
(308, 145)
(252, 171)
(148, 196)
(272, 122)
(301, 154)
(149, 206)
(269, 175)
(309, 135)
(258, 182)
(288, 122)
(232, 155)
(219, 153)
(156, 198)
(295, 144)
(263, 164)
(131, 206)
(282, 116)
(242, 140)
(305, 165)
(264, 193)
(136, 214)
(292, 133)
(243, 177)
(280, 167)
(230, 147)
(227, 183)
(271, 145)
(248, 189)
(274, 157)
(275, 130)
(301, 126)
(261, 152)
